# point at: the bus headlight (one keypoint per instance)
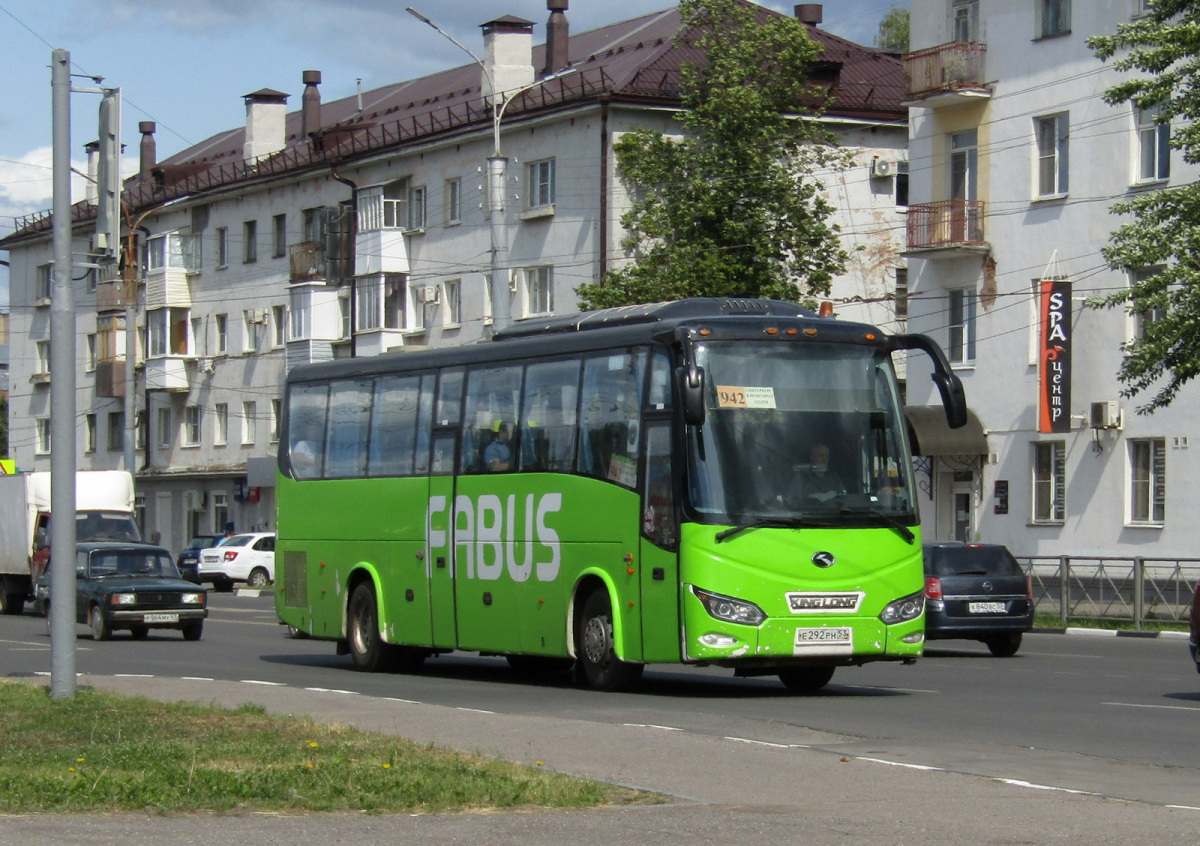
(904, 609)
(729, 609)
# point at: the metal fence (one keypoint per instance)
(1140, 590)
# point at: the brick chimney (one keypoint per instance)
(266, 124)
(147, 151)
(507, 55)
(558, 35)
(311, 103)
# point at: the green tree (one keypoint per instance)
(1160, 242)
(731, 208)
(893, 31)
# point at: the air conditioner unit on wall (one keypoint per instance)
(881, 168)
(1106, 415)
(427, 294)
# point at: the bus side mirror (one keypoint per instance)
(690, 379)
(954, 399)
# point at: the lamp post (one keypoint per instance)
(497, 177)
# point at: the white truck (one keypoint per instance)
(103, 511)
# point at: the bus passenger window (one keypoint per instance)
(608, 426)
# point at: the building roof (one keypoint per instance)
(631, 61)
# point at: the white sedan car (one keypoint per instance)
(248, 558)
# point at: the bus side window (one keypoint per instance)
(350, 408)
(608, 426)
(548, 416)
(493, 397)
(306, 430)
(394, 426)
(658, 499)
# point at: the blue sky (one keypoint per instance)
(186, 64)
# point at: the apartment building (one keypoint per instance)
(366, 224)
(1015, 161)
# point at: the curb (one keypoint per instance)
(1086, 632)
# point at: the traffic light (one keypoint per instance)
(106, 243)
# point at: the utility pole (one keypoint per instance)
(62, 395)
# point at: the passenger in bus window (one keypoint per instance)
(497, 456)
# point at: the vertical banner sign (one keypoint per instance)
(1054, 389)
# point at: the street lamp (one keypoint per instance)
(497, 175)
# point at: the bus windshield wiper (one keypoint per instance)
(767, 523)
(891, 522)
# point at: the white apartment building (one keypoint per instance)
(363, 225)
(1015, 160)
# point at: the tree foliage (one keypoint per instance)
(1160, 241)
(893, 31)
(731, 208)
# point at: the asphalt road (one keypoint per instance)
(1071, 717)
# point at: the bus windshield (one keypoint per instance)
(801, 433)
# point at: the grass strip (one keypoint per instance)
(101, 751)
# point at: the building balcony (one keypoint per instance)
(168, 373)
(307, 259)
(110, 378)
(947, 227)
(946, 75)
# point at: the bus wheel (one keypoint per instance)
(601, 666)
(367, 649)
(806, 679)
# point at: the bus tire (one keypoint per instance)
(806, 679)
(596, 649)
(368, 652)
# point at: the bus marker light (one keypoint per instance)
(792, 331)
(629, 570)
(631, 605)
(870, 336)
(913, 637)
(810, 332)
(718, 640)
(772, 331)
(322, 564)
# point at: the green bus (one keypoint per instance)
(610, 489)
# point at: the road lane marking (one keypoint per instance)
(1158, 707)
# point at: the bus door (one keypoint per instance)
(440, 563)
(658, 553)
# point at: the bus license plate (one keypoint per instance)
(986, 607)
(828, 639)
(160, 618)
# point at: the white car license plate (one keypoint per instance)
(987, 607)
(160, 618)
(827, 640)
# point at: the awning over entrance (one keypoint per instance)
(931, 436)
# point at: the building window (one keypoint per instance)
(42, 349)
(167, 331)
(393, 301)
(155, 256)
(902, 183)
(221, 424)
(220, 512)
(89, 433)
(249, 413)
(116, 431)
(90, 353)
(279, 236)
(1056, 17)
(43, 436)
(1052, 134)
(368, 312)
(1147, 481)
(172, 250)
(250, 241)
(901, 296)
(191, 425)
(541, 183)
(43, 283)
(416, 208)
(344, 312)
(279, 323)
(966, 20)
(164, 428)
(1154, 145)
(452, 291)
(453, 201)
(276, 412)
(251, 319)
(222, 323)
(1049, 482)
(1143, 317)
(539, 290)
(222, 247)
(962, 326)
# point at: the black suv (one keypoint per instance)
(976, 591)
